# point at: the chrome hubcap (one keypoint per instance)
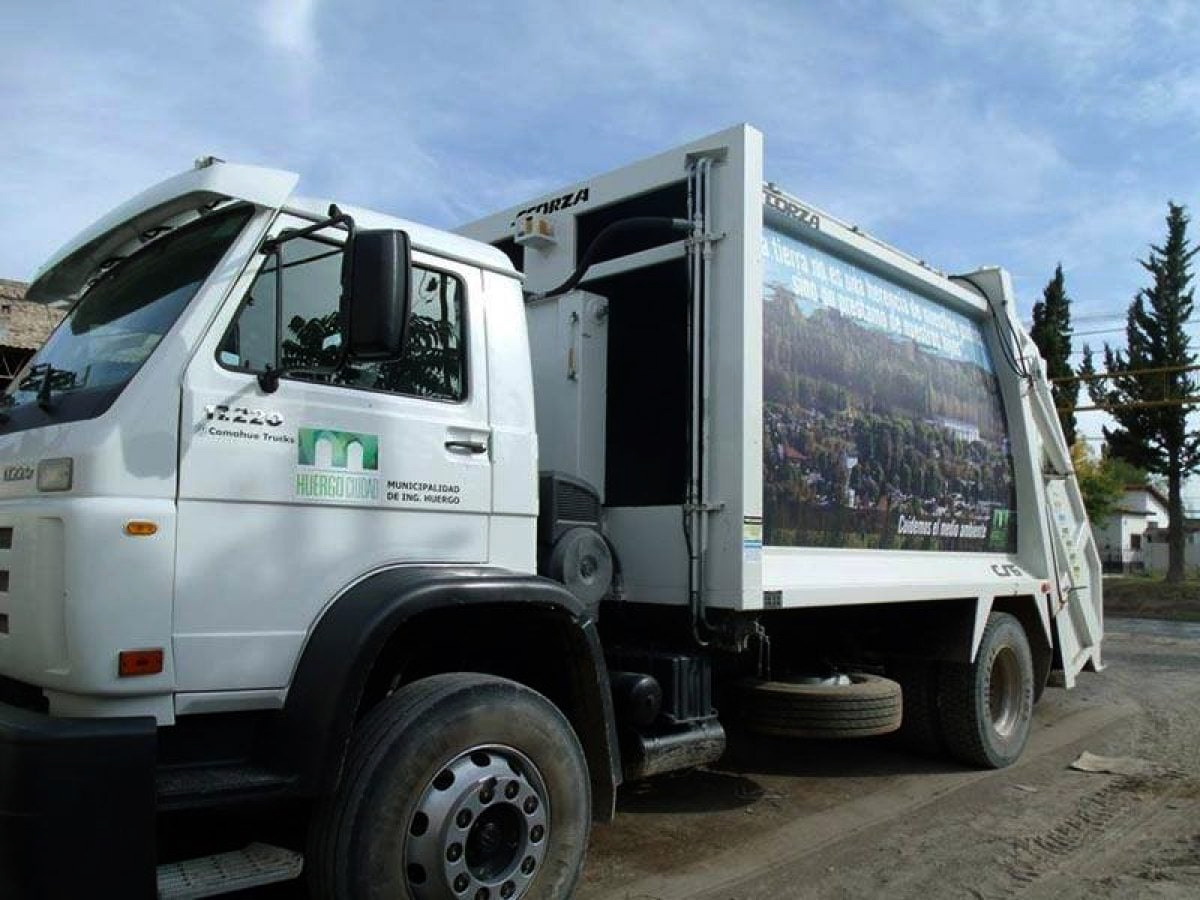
(480, 829)
(1004, 692)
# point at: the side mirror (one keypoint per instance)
(376, 288)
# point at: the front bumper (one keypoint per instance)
(77, 805)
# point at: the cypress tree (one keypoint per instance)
(1052, 333)
(1153, 435)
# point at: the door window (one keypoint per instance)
(299, 331)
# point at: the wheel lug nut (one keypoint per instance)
(531, 804)
(453, 852)
(482, 894)
(464, 818)
(536, 833)
(527, 865)
(486, 795)
(461, 883)
(507, 889)
(511, 789)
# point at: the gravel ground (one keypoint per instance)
(864, 819)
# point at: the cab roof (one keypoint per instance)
(190, 193)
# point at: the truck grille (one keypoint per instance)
(24, 696)
(6, 539)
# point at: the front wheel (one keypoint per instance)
(457, 786)
(986, 707)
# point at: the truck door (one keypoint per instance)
(286, 498)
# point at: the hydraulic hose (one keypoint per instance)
(637, 223)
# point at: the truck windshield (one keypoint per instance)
(117, 323)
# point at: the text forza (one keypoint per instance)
(792, 209)
(566, 201)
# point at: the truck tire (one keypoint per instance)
(986, 707)
(457, 786)
(920, 729)
(869, 705)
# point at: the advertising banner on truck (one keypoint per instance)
(883, 423)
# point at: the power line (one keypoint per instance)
(1184, 324)
(1114, 330)
(1193, 400)
(1103, 376)
(1190, 345)
(1075, 320)
(1190, 400)
(1097, 317)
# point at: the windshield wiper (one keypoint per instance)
(44, 375)
(43, 394)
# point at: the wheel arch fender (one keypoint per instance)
(346, 643)
(1032, 613)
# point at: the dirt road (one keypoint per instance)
(866, 820)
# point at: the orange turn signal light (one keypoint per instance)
(140, 528)
(132, 663)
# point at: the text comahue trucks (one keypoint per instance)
(406, 548)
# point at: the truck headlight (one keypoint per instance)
(55, 474)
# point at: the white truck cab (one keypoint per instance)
(296, 521)
(146, 407)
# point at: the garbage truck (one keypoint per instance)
(399, 550)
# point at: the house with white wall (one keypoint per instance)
(1157, 553)
(1121, 538)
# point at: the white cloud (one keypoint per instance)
(1083, 237)
(1171, 97)
(945, 128)
(1075, 37)
(290, 26)
(1120, 59)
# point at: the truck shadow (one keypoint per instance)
(732, 782)
(871, 757)
(695, 790)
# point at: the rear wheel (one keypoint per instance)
(986, 707)
(458, 786)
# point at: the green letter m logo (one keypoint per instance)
(325, 448)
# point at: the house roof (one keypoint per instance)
(24, 324)
(1152, 491)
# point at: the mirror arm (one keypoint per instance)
(335, 219)
(268, 380)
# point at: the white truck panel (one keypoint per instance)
(735, 403)
(739, 572)
(69, 590)
(568, 340)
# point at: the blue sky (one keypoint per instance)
(968, 133)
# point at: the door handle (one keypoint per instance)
(466, 446)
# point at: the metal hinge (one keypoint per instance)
(709, 237)
(1057, 476)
